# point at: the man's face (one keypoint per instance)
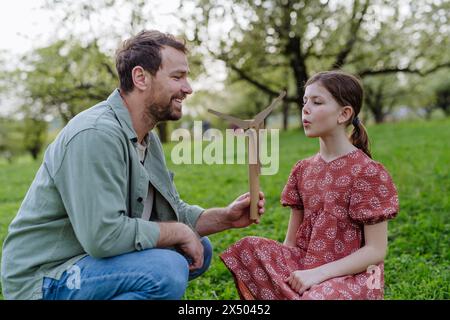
(169, 86)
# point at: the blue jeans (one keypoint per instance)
(152, 274)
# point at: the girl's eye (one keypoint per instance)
(314, 102)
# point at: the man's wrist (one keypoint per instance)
(225, 217)
(221, 217)
(172, 233)
(213, 220)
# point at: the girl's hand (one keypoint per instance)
(290, 243)
(302, 280)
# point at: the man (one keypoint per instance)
(102, 218)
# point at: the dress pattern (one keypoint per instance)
(337, 199)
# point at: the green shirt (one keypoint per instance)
(87, 198)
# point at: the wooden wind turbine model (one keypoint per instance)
(254, 166)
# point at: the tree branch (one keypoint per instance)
(244, 76)
(352, 37)
(371, 72)
(436, 67)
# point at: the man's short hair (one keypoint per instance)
(144, 49)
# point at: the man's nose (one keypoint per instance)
(186, 88)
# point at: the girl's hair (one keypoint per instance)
(347, 90)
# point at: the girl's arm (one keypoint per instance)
(372, 253)
(294, 222)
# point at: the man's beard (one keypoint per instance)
(161, 113)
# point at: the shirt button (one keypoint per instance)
(139, 199)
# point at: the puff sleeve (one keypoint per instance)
(374, 196)
(291, 196)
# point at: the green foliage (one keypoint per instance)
(20, 136)
(417, 156)
(67, 77)
(275, 44)
(35, 135)
(11, 138)
(443, 97)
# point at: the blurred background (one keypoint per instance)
(57, 59)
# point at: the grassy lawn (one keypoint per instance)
(417, 154)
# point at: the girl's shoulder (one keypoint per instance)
(302, 163)
(370, 176)
(369, 166)
(373, 197)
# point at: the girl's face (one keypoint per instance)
(321, 114)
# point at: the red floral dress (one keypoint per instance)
(337, 198)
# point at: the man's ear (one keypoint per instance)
(345, 114)
(140, 78)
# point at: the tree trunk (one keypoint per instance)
(285, 115)
(35, 152)
(298, 65)
(162, 131)
(374, 101)
(428, 112)
(378, 115)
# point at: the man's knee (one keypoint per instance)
(171, 275)
(207, 256)
(207, 252)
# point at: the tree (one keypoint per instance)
(421, 92)
(67, 77)
(276, 44)
(384, 93)
(297, 38)
(34, 135)
(128, 17)
(11, 138)
(443, 97)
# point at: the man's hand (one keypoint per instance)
(183, 238)
(192, 247)
(237, 214)
(302, 280)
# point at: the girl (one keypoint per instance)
(340, 202)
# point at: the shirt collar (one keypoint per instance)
(122, 114)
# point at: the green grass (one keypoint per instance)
(417, 155)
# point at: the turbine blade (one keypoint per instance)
(259, 118)
(239, 122)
